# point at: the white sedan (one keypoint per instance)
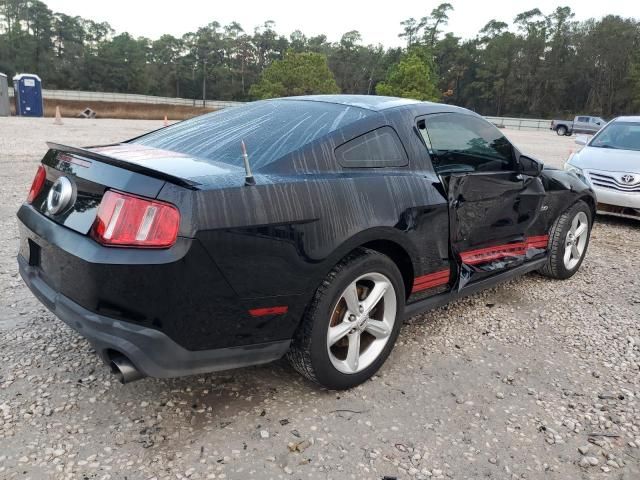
(610, 163)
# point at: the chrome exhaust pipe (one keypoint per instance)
(122, 368)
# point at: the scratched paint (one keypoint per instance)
(282, 236)
(307, 210)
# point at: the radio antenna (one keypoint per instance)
(248, 177)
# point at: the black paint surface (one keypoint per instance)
(246, 247)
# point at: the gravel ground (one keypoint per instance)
(533, 379)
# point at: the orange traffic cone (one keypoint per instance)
(166, 122)
(58, 120)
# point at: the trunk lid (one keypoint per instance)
(131, 168)
(179, 168)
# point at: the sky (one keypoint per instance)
(377, 24)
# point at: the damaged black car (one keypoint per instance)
(306, 227)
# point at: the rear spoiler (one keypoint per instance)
(133, 167)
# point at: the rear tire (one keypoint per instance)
(561, 130)
(352, 323)
(568, 242)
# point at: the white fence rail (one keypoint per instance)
(129, 98)
(502, 122)
(520, 123)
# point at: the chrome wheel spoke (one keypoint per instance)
(575, 253)
(353, 353)
(567, 254)
(580, 230)
(338, 332)
(350, 296)
(374, 297)
(377, 328)
(574, 225)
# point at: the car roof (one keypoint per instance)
(376, 103)
(628, 119)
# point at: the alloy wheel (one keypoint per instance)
(576, 240)
(361, 323)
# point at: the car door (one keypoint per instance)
(595, 124)
(581, 125)
(492, 206)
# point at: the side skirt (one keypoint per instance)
(437, 301)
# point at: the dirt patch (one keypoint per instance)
(121, 110)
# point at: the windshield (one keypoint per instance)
(270, 130)
(618, 135)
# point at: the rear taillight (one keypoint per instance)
(38, 183)
(125, 220)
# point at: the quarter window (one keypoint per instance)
(378, 148)
(461, 143)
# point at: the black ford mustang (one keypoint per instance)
(308, 227)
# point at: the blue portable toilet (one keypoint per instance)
(27, 92)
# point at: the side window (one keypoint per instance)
(465, 143)
(379, 148)
(583, 119)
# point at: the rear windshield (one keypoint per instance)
(270, 130)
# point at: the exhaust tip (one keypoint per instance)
(124, 370)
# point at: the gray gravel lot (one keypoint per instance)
(533, 379)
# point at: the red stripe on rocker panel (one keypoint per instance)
(488, 254)
(482, 255)
(538, 238)
(261, 312)
(541, 241)
(430, 280)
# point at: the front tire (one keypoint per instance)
(352, 323)
(561, 130)
(568, 242)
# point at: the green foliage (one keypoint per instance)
(427, 29)
(411, 78)
(296, 74)
(537, 64)
(634, 80)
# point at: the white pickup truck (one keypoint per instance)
(580, 124)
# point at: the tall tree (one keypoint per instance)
(439, 18)
(542, 64)
(411, 28)
(296, 74)
(411, 78)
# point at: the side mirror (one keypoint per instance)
(582, 140)
(529, 166)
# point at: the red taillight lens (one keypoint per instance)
(125, 220)
(38, 183)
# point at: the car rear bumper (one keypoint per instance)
(170, 311)
(178, 291)
(152, 352)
